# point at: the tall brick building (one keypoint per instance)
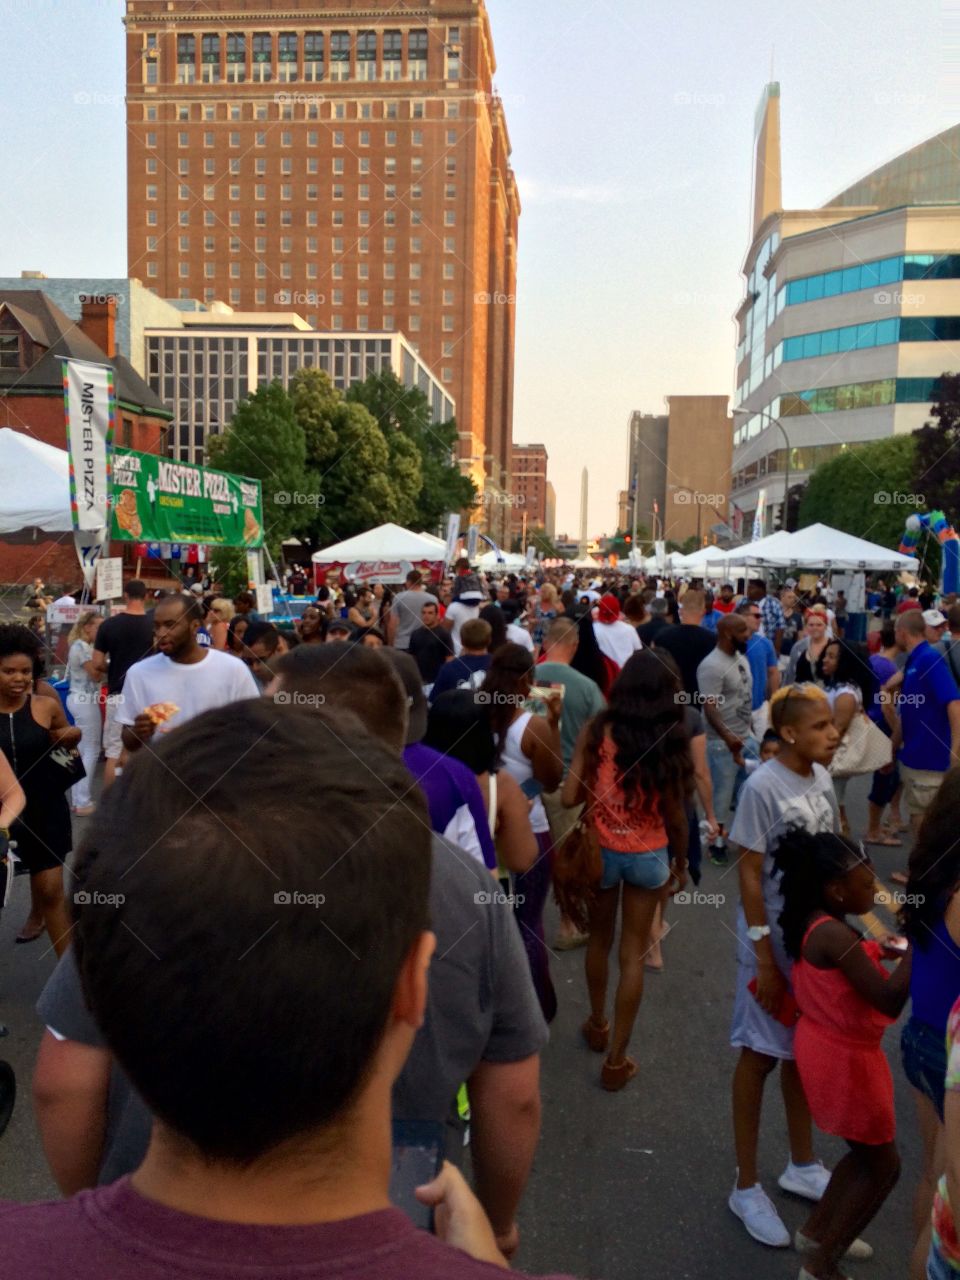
(529, 504)
(346, 161)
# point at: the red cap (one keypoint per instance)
(608, 609)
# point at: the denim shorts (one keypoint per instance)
(924, 1054)
(642, 870)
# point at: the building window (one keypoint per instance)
(150, 113)
(151, 166)
(338, 111)
(449, 244)
(416, 270)
(417, 111)
(388, 321)
(234, 297)
(340, 56)
(414, 298)
(392, 54)
(186, 59)
(338, 165)
(209, 270)
(183, 168)
(446, 374)
(234, 139)
(391, 141)
(183, 139)
(337, 322)
(451, 110)
(417, 55)
(390, 164)
(367, 55)
(414, 324)
(236, 58)
(448, 324)
(210, 59)
(448, 270)
(338, 138)
(209, 244)
(260, 167)
(338, 245)
(417, 137)
(260, 191)
(312, 138)
(449, 218)
(416, 244)
(260, 297)
(183, 270)
(391, 111)
(260, 140)
(448, 297)
(337, 192)
(363, 323)
(183, 218)
(363, 245)
(262, 56)
(389, 271)
(390, 218)
(453, 64)
(234, 193)
(363, 191)
(286, 166)
(260, 270)
(451, 137)
(313, 55)
(416, 217)
(286, 139)
(286, 191)
(285, 271)
(363, 218)
(151, 193)
(389, 244)
(364, 137)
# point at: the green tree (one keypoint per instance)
(406, 411)
(866, 490)
(937, 463)
(539, 538)
(265, 442)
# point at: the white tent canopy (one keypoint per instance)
(820, 547)
(386, 542)
(508, 562)
(34, 485)
(587, 562)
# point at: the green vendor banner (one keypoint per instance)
(158, 500)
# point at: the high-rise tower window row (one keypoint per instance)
(260, 57)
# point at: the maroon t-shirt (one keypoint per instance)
(114, 1233)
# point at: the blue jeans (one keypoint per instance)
(726, 776)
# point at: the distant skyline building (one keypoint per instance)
(847, 313)
(678, 466)
(529, 496)
(351, 165)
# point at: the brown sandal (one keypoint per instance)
(596, 1037)
(614, 1078)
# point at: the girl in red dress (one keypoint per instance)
(847, 999)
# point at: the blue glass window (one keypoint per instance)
(831, 283)
(870, 275)
(891, 270)
(850, 280)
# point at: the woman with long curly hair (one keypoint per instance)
(632, 766)
(931, 920)
(530, 751)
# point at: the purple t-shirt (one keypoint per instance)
(449, 785)
(114, 1233)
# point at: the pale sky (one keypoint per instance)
(631, 125)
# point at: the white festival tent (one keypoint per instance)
(386, 542)
(34, 486)
(508, 562)
(820, 547)
(587, 562)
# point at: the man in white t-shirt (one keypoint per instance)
(466, 606)
(616, 639)
(183, 675)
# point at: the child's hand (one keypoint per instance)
(771, 988)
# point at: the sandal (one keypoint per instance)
(26, 935)
(615, 1078)
(596, 1037)
(899, 877)
(885, 841)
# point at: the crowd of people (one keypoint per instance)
(249, 1005)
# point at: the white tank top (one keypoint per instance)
(521, 770)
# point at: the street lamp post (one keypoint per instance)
(765, 413)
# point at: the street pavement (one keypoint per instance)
(628, 1186)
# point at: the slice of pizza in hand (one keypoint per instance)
(160, 712)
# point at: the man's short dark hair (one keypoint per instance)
(192, 605)
(349, 678)
(476, 634)
(245, 1015)
(414, 578)
(136, 589)
(953, 617)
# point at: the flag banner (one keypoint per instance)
(90, 406)
(453, 536)
(758, 516)
(473, 537)
(159, 500)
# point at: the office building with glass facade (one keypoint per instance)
(848, 311)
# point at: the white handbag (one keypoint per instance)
(863, 749)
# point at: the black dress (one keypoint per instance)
(43, 833)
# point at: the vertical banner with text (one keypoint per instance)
(90, 405)
(453, 537)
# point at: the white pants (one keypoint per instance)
(85, 711)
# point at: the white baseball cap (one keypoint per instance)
(934, 618)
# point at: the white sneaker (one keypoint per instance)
(859, 1251)
(755, 1210)
(807, 1180)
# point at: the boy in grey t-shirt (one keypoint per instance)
(794, 789)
